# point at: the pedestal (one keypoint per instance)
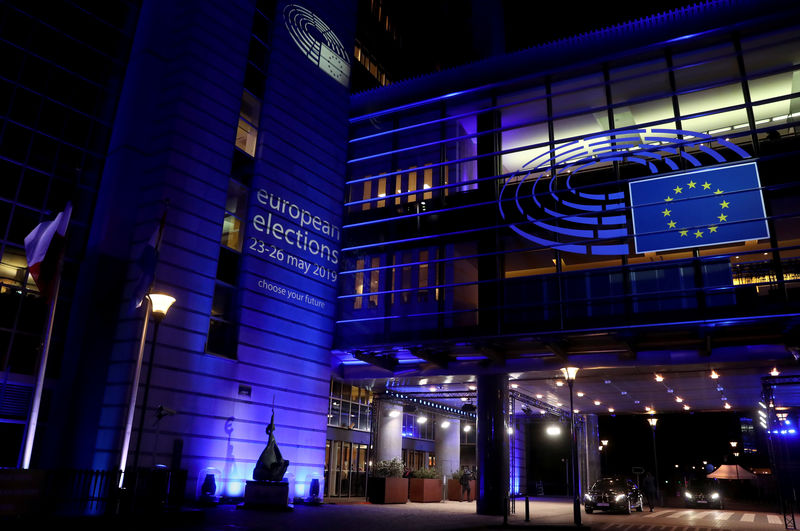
(270, 495)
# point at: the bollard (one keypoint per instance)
(527, 509)
(505, 513)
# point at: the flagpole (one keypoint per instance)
(30, 432)
(126, 441)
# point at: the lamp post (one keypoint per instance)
(652, 421)
(159, 303)
(569, 375)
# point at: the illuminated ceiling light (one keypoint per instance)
(580, 394)
(514, 386)
(575, 411)
(678, 399)
(445, 424)
(647, 408)
(394, 413)
(727, 405)
(774, 372)
(463, 398)
(762, 404)
(676, 466)
(659, 378)
(467, 428)
(559, 404)
(423, 381)
(604, 442)
(553, 431)
(559, 383)
(471, 387)
(597, 402)
(714, 375)
(686, 407)
(705, 462)
(422, 419)
(611, 410)
(510, 430)
(432, 389)
(734, 444)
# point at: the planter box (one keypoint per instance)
(387, 490)
(425, 490)
(454, 490)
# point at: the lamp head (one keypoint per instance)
(569, 373)
(160, 304)
(652, 421)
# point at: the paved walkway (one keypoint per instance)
(448, 515)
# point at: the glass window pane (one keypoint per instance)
(232, 233)
(246, 136)
(707, 100)
(250, 109)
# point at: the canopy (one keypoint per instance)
(731, 472)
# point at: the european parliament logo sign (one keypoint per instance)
(568, 199)
(698, 208)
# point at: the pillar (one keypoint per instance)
(492, 439)
(588, 452)
(448, 445)
(390, 432)
(519, 458)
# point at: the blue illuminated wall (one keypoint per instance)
(293, 236)
(174, 139)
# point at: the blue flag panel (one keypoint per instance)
(698, 208)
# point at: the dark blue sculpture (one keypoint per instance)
(271, 466)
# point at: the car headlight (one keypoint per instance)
(588, 497)
(619, 497)
(715, 496)
(688, 494)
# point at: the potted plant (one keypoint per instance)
(387, 484)
(454, 488)
(425, 486)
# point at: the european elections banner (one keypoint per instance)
(698, 208)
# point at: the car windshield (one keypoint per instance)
(609, 483)
(702, 484)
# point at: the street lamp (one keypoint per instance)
(160, 304)
(652, 421)
(569, 375)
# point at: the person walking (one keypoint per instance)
(649, 487)
(466, 477)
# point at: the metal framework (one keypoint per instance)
(779, 454)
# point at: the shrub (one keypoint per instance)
(426, 473)
(389, 468)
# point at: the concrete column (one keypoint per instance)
(390, 431)
(588, 452)
(492, 439)
(518, 458)
(448, 445)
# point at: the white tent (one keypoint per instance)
(731, 472)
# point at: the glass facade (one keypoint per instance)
(431, 252)
(349, 406)
(60, 78)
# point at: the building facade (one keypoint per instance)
(483, 220)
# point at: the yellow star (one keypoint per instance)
(706, 185)
(684, 232)
(691, 184)
(722, 217)
(698, 234)
(678, 189)
(668, 199)
(724, 204)
(666, 212)
(671, 224)
(712, 229)
(718, 191)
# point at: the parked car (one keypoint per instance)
(613, 494)
(703, 493)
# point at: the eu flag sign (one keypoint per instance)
(698, 208)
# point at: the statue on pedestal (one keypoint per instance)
(271, 466)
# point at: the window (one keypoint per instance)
(247, 132)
